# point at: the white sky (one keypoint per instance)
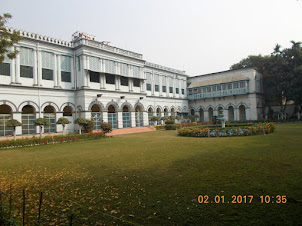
(197, 36)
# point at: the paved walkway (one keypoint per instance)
(114, 132)
(131, 130)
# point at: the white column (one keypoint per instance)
(55, 72)
(167, 86)
(145, 118)
(133, 119)
(72, 73)
(152, 83)
(35, 69)
(120, 120)
(18, 116)
(105, 116)
(39, 75)
(13, 71)
(83, 72)
(143, 85)
(130, 84)
(18, 66)
(59, 71)
(160, 85)
(117, 82)
(103, 81)
(173, 85)
(59, 128)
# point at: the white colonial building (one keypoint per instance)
(51, 78)
(235, 94)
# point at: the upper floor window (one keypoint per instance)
(110, 79)
(230, 86)
(218, 87)
(94, 76)
(177, 90)
(156, 88)
(164, 89)
(242, 84)
(171, 89)
(214, 88)
(124, 81)
(190, 91)
(182, 91)
(5, 69)
(208, 89)
(136, 82)
(26, 62)
(47, 65)
(148, 87)
(65, 68)
(236, 85)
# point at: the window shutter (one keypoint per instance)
(26, 57)
(66, 63)
(48, 60)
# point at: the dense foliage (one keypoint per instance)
(252, 129)
(49, 140)
(106, 127)
(282, 75)
(7, 39)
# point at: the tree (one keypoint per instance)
(13, 123)
(106, 127)
(7, 39)
(81, 122)
(41, 122)
(63, 121)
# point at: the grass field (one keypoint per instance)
(155, 179)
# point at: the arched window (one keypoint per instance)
(158, 114)
(210, 112)
(139, 121)
(6, 113)
(126, 117)
(112, 116)
(201, 115)
(231, 113)
(150, 115)
(50, 115)
(96, 116)
(172, 112)
(166, 112)
(242, 115)
(28, 120)
(67, 111)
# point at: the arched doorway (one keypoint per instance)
(193, 114)
(96, 116)
(28, 120)
(172, 112)
(158, 114)
(242, 115)
(126, 117)
(139, 121)
(231, 113)
(210, 112)
(6, 113)
(150, 115)
(166, 112)
(220, 111)
(201, 115)
(50, 115)
(67, 111)
(112, 116)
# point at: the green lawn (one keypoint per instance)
(155, 179)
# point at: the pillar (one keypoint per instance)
(145, 118)
(18, 116)
(17, 80)
(35, 68)
(133, 119)
(105, 116)
(120, 120)
(55, 71)
(59, 79)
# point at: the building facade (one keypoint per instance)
(235, 94)
(85, 78)
(51, 78)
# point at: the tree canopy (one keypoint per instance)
(7, 39)
(281, 73)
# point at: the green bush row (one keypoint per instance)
(49, 140)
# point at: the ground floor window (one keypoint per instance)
(51, 117)
(126, 119)
(96, 117)
(112, 119)
(150, 115)
(28, 124)
(4, 130)
(139, 119)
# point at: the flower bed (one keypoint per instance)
(50, 140)
(252, 129)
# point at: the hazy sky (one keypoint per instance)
(197, 36)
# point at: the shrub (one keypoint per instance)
(13, 123)
(63, 121)
(171, 126)
(170, 121)
(161, 127)
(88, 126)
(81, 122)
(106, 127)
(41, 122)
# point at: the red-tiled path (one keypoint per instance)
(131, 130)
(113, 133)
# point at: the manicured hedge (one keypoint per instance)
(50, 140)
(251, 129)
(171, 126)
